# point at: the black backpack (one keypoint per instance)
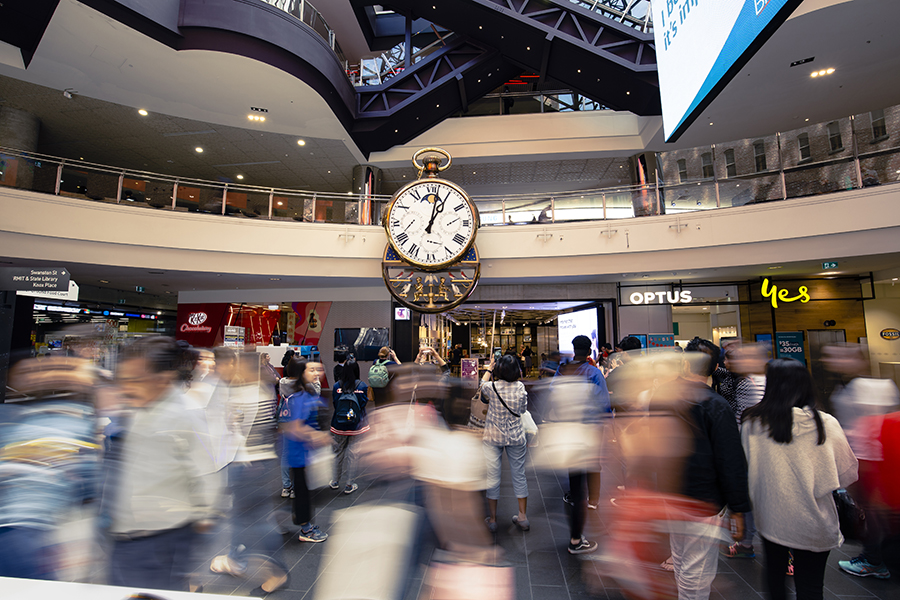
(347, 411)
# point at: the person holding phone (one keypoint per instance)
(507, 399)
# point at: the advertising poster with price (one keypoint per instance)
(702, 44)
(789, 344)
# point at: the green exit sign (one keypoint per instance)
(829, 266)
(140, 289)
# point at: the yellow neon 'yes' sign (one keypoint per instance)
(782, 294)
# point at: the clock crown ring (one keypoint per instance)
(432, 159)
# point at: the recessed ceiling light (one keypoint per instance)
(779, 267)
(329, 171)
(281, 204)
(807, 120)
(301, 142)
(627, 93)
(240, 176)
(274, 278)
(198, 149)
(103, 281)
(143, 112)
(528, 47)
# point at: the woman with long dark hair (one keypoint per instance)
(796, 458)
(348, 422)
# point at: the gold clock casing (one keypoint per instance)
(431, 291)
(459, 254)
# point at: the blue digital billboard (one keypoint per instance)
(700, 47)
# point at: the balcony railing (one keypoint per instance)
(308, 14)
(872, 157)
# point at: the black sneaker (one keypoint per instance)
(582, 547)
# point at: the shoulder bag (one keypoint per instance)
(528, 425)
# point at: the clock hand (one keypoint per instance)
(431, 221)
(435, 211)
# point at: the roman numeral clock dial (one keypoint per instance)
(431, 225)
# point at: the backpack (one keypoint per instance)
(378, 374)
(347, 411)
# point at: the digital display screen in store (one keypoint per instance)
(570, 325)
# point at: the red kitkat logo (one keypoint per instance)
(195, 323)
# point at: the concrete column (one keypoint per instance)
(18, 131)
(643, 172)
(366, 180)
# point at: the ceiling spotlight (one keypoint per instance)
(829, 71)
(274, 278)
(240, 176)
(281, 204)
(143, 112)
(198, 149)
(104, 281)
(301, 142)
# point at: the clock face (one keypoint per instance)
(431, 223)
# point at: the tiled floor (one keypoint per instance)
(542, 567)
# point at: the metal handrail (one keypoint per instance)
(540, 206)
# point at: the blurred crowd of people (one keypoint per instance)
(180, 447)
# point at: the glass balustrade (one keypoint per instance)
(845, 154)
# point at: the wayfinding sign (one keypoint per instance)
(34, 279)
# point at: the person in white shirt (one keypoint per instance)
(796, 458)
(161, 495)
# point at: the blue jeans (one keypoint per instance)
(162, 561)
(493, 456)
(27, 552)
(250, 532)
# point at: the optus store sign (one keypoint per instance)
(682, 297)
(783, 294)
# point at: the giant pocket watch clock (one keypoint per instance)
(431, 263)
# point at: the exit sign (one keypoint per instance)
(828, 266)
(140, 289)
